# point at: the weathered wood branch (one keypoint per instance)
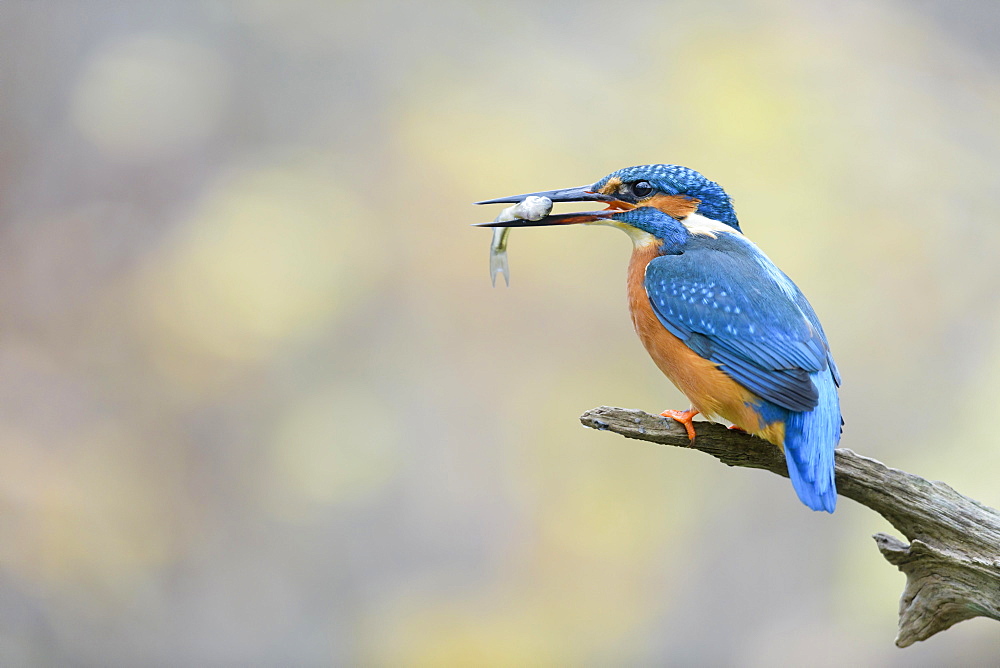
(952, 564)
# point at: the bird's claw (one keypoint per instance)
(686, 418)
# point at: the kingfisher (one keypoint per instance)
(732, 332)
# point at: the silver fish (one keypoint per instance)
(530, 208)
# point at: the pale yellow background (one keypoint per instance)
(259, 404)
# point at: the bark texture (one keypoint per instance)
(952, 561)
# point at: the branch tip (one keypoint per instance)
(952, 563)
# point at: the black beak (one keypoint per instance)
(555, 219)
(581, 194)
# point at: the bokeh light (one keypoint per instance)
(259, 404)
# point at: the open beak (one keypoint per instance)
(581, 194)
(554, 219)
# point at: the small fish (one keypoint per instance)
(530, 208)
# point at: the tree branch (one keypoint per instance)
(952, 564)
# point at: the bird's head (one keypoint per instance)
(676, 191)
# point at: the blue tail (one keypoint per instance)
(810, 439)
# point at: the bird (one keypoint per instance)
(729, 329)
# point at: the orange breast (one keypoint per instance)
(710, 391)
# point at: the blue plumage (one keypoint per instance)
(721, 296)
(751, 328)
(810, 439)
(677, 180)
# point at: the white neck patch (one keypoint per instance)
(698, 224)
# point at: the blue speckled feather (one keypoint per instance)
(720, 299)
(714, 203)
(728, 302)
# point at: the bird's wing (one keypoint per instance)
(730, 310)
(807, 308)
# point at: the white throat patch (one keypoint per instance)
(640, 238)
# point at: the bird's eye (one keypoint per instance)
(641, 188)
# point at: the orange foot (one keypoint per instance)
(739, 429)
(686, 418)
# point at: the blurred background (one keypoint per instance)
(259, 403)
